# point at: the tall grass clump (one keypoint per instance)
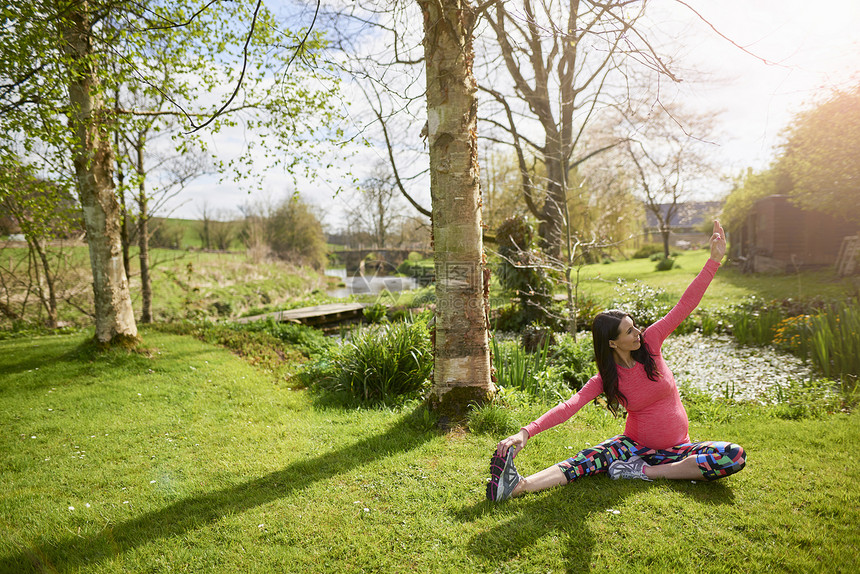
(829, 338)
(836, 340)
(528, 372)
(754, 324)
(378, 364)
(492, 419)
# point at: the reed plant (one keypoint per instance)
(836, 340)
(755, 326)
(830, 338)
(382, 363)
(517, 368)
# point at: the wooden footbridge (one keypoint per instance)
(318, 315)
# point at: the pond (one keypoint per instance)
(369, 283)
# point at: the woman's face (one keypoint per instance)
(628, 338)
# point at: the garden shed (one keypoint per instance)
(778, 236)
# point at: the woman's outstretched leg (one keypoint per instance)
(506, 482)
(547, 478)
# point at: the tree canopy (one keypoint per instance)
(821, 155)
(818, 166)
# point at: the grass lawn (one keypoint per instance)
(729, 286)
(187, 459)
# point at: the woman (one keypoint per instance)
(632, 373)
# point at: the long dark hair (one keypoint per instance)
(604, 329)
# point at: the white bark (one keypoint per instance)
(462, 357)
(93, 160)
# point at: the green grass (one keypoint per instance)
(191, 460)
(729, 286)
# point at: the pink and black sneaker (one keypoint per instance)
(503, 477)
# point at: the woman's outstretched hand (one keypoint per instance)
(718, 242)
(517, 442)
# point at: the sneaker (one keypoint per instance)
(631, 468)
(503, 477)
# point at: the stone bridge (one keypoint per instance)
(385, 260)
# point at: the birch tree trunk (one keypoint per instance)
(462, 359)
(143, 238)
(93, 160)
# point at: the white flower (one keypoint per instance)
(71, 508)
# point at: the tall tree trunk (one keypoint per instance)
(664, 232)
(462, 359)
(143, 239)
(123, 231)
(93, 160)
(120, 181)
(49, 302)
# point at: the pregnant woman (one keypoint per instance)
(632, 374)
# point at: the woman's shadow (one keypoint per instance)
(565, 512)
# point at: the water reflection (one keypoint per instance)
(356, 284)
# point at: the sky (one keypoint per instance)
(783, 54)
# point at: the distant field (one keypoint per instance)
(196, 284)
(186, 284)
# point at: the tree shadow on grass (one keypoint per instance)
(74, 552)
(565, 512)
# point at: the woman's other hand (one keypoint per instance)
(718, 242)
(517, 442)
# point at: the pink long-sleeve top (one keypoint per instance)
(655, 416)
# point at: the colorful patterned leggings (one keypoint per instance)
(715, 459)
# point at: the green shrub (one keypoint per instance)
(407, 268)
(711, 323)
(508, 318)
(522, 269)
(665, 264)
(830, 338)
(643, 303)
(424, 296)
(375, 313)
(647, 250)
(379, 364)
(836, 340)
(573, 360)
(656, 256)
(308, 340)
